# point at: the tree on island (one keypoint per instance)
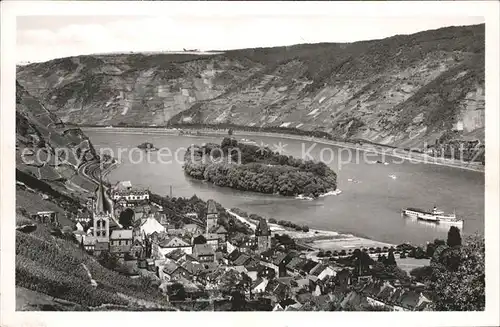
(230, 132)
(454, 237)
(126, 218)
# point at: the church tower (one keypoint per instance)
(102, 212)
(212, 216)
(263, 234)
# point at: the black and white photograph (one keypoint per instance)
(243, 161)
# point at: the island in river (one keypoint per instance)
(249, 167)
(147, 146)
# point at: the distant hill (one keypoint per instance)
(399, 91)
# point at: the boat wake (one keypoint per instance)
(334, 192)
(308, 198)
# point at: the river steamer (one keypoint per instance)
(435, 216)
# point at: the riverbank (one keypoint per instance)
(376, 149)
(317, 239)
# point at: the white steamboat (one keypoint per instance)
(435, 215)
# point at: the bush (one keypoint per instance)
(259, 171)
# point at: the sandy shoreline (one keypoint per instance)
(395, 153)
(318, 239)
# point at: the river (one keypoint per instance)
(369, 205)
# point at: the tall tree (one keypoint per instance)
(126, 218)
(460, 288)
(454, 237)
(391, 260)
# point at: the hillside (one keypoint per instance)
(399, 91)
(48, 158)
(54, 273)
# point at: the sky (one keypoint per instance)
(41, 38)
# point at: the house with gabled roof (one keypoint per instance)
(89, 242)
(321, 271)
(278, 290)
(173, 271)
(242, 260)
(193, 229)
(259, 285)
(163, 244)
(287, 303)
(213, 240)
(151, 225)
(175, 255)
(274, 260)
(101, 247)
(204, 252)
(233, 255)
(120, 241)
(258, 270)
(221, 232)
(295, 265)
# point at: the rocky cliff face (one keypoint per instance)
(401, 91)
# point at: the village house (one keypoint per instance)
(242, 259)
(123, 186)
(89, 243)
(163, 244)
(214, 240)
(138, 249)
(83, 218)
(46, 217)
(287, 305)
(191, 215)
(257, 270)
(274, 260)
(79, 227)
(130, 194)
(150, 225)
(120, 241)
(321, 271)
(247, 245)
(172, 271)
(221, 232)
(100, 247)
(294, 267)
(277, 290)
(204, 253)
(122, 204)
(259, 286)
(193, 229)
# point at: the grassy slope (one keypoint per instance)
(53, 266)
